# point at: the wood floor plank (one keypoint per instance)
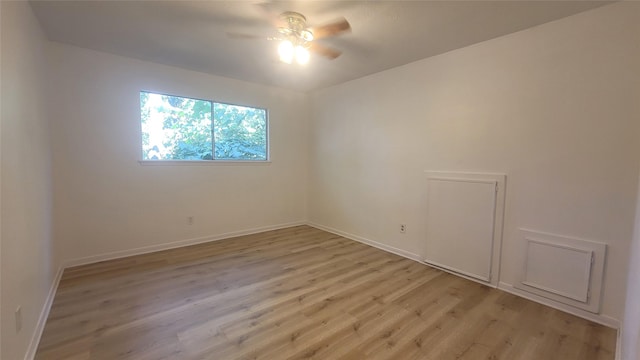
(299, 293)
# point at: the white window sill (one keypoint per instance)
(203, 162)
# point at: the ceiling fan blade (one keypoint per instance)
(331, 29)
(324, 51)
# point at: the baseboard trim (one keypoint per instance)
(394, 250)
(381, 246)
(470, 278)
(35, 340)
(600, 319)
(46, 308)
(174, 244)
(44, 314)
(619, 344)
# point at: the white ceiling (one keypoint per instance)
(385, 34)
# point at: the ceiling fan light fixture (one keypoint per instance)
(306, 35)
(286, 51)
(302, 55)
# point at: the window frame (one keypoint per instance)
(213, 161)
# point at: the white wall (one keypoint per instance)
(27, 266)
(106, 202)
(631, 323)
(0, 180)
(555, 107)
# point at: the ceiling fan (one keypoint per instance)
(297, 39)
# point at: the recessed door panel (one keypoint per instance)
(461, 221)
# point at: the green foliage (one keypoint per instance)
(240, 132)
(177, 128)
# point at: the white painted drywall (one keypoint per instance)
(630, 332)
(555, 107)
(27, 266)
(105, 201)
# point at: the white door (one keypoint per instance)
(462, 218)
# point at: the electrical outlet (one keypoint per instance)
(403, 228)
(190, 220)
(18, 319)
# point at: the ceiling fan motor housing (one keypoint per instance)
(295, 28)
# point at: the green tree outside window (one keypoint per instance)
(179, 128)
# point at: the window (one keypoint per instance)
(179, 128)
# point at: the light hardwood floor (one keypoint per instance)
(299, 293)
